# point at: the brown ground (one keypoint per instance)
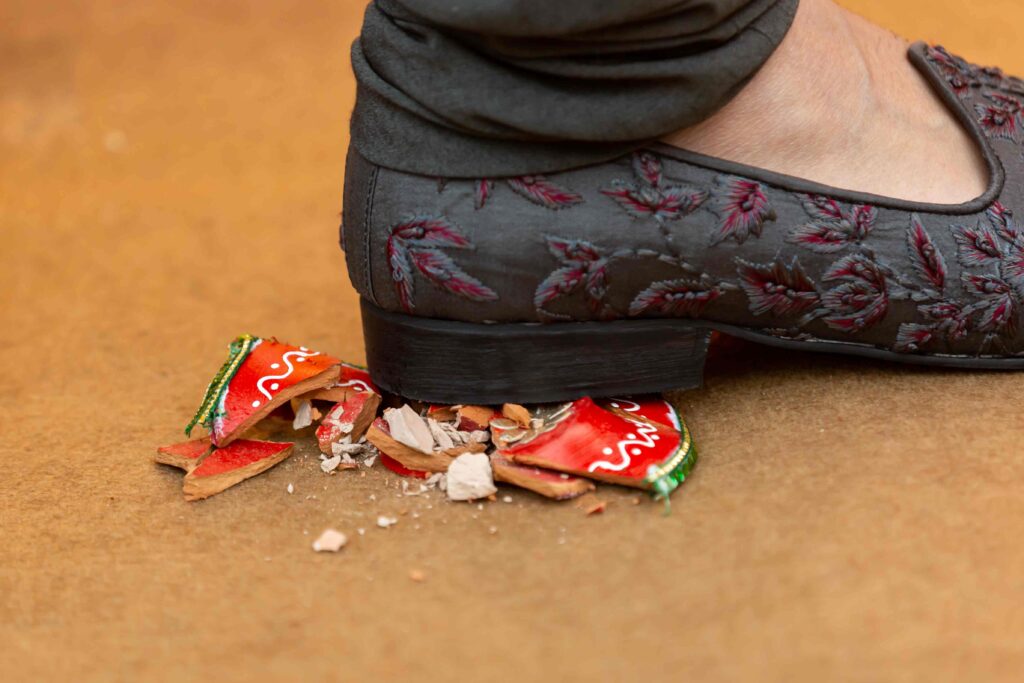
(170, 176)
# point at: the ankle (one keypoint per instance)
(837, 102)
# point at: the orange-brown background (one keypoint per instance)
(170, 176)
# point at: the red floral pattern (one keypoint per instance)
(582, 265)
(650, 195)
(743, 208)
(778, 288)
(537, 188)
(416, 244)
(832, 227)
(677, 298)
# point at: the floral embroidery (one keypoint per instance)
(581, 264)
(680, 298)
(777, 288)
(1000, 118)
(925, 258)
(833, 227)
(945, 318)
(996, 304)
(957, 72)
(742, 207)
(416, 243)
(484, 188)
(860, 300)
(536, 188)
(650, 195)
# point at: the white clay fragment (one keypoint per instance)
(470, 477)
(330, 541)
(441, 437)
(384, 522)
(303, 415)
(328, 465)
(409, 428)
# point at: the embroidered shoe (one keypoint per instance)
(610, 279)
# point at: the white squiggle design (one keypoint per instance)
(642, 438)
(669, 408)
(291, 368)
(358, 383)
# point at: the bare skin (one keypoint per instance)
(840, 104)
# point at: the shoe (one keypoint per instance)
(610, 279)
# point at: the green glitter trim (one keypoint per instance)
(666, 478)
(238, 351)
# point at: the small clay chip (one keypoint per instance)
(349, 418)
(473, 418)
(225, 467)
(517, 413)
(184, 455)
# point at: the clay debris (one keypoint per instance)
(555, 450)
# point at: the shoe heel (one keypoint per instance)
(445, 361)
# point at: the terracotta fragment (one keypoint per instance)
(259, 376)
(351, 379)
(517, 413)
(590, 504)
(225, 467)
(472, 418)
(184, 455)
(379, 435)
(349, 418)
(545, 482)
(584, 439)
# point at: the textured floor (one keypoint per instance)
(170, 176)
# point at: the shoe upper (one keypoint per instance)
(668, 233)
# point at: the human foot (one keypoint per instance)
(839, 103)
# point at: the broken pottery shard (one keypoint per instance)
(591, 504)
(516, 413)
(303, 409)
(584, 439)
(351, 379)
(380, 436)
(470, 477)
(184, 455)
(330, 541)
(259, 376)
(472, 418)
(442, 413)
(225, 467)
(441, 437)
(545, 482)
(351, 418)
(408, 428)
(649, 408)
(400, 469)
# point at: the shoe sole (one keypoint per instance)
(450, 362)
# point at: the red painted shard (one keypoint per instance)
(227, 466)
(352, 379)
(271, 374)
(585, 439)
(547, 483)
(351, 418)
(183, 455)
(650, 408)
(400, 469)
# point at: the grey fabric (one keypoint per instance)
(665, 233)
(480, 88)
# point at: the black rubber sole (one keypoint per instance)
(445, 361)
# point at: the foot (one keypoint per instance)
(839, 103)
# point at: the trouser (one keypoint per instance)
(481, 88)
